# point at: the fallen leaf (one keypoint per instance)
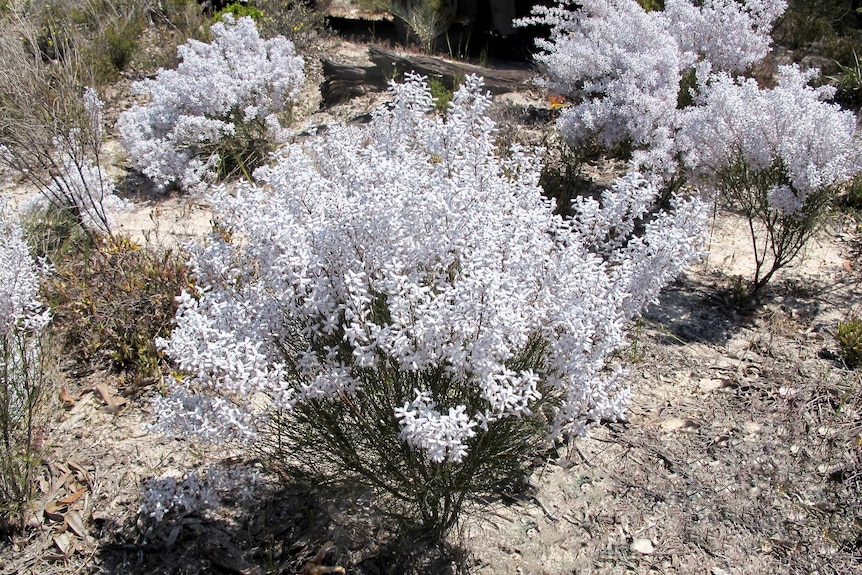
(708, 384)
(63, 543)
(643, 546)
(674, 423)
(113, 402)
(66, 398)
(848, 266)
(76, 524)
(752, 427)
(54, 511)
(83, 474)
(70, 499)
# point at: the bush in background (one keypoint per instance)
(51, 128)
(623, 67)
(296, 20)
(777, 156)
(217, 114)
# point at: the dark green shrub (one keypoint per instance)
(441, 93)
(849, 83)
(850, 340)
(650, 5)
(562, 176)
(295, 20)
(853, 197)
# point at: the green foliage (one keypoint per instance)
(850, 340)
(651, 5)
(853, 199)
(110, 297)
(441, 93)
(827, 29)
(240, 10)
(360, 438)
(167, 24)
(54, 36)
(849, 83)
(427, 19)
(562, 176)
(246, 149)
(52, 232)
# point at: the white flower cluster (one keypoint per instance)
(441, 436)
(622, 66)
(22, 322)
(812, 143)
(86, 189)
(200, 490)
(645, 261)
(20, 276)
(729, 34)
(411, 245)
(236, 79)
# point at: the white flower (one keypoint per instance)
(622, 66)
(20, 275)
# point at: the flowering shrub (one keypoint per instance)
(22, 377)
(398, 305)
(776, 154)
(623, 65)
(728, 34)
(620, 64)
(51, 129)
(218, 111)
(80, 185)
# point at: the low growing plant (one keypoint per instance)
(111, 297)
(850, 340)
(848, 83)
(218, 113)
(397, 307)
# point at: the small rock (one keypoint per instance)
(752, 427)
(643, 546)
(708, 384)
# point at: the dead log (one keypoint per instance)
(498, 80)
(342, 82)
